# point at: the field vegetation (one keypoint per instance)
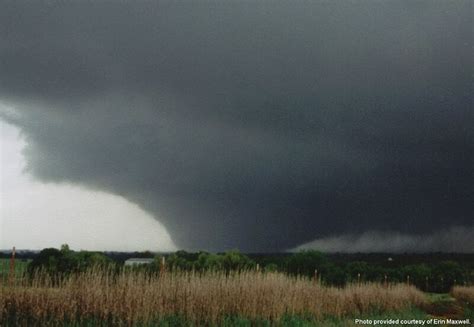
(434, 273)
(20, 268)
(137, 297)
(464, 293)
(60, 287)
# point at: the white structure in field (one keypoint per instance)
(138, 261)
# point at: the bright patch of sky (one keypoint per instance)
(34, 215)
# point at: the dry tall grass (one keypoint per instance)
(463, 293)
(199, 298)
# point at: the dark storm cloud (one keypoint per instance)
(258, 125)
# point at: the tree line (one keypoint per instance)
(431, 277)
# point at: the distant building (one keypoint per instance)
(138, 261)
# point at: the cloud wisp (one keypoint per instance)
(454, 239)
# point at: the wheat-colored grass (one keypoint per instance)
(463, 293)
(132, 297)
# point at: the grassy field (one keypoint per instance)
(214, 298)
(20, 268)
(463, 293)
(138, 297)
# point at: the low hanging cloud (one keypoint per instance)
(453, 239)
(258, 126)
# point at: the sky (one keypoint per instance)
(262, 126)
(35, 215)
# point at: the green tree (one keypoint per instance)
(234, 260)
(306, 262)
(353, 269)
(56, 262)
(208, 261)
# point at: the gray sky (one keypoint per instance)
(260, 126)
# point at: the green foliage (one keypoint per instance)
(334, 275)
(63, 261)
(431, 277)
(314, 264)
(271, 267)
(175, 261)
(234, 260)
(203, 261)
(446, 274)
(434, 277)
(21, 266)
(356, 269)
(208, 261)
(306, 262)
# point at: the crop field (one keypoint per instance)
(212, 298)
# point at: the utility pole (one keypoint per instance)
(12, 265)
(163, 265)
